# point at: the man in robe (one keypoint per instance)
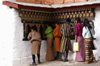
(65, 41)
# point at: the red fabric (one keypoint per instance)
(78, 29)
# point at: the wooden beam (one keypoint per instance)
(14, 5)
(10, 4)
(35, 8)
(77, 7)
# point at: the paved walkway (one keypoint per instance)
(69, 63)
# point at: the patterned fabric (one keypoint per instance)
(50, 49)
(65, 41)
(80, 55)
(89, 57)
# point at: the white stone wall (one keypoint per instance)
(22, 49)
(97, 33)
(6, 35)
(14, 51)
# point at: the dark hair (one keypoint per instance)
(49, 24)
(68, 20)
(87, 24)
(34, 28)
(57, 23)
(78, 20)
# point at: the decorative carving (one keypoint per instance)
(41, 18)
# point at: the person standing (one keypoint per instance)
(50, 46)
(57, 36)
(35, 39)
(78, 38)
(88, 30)
(65, 40)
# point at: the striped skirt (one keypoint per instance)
(50, 49)
(89, 57)
(65, 44)
(80, 55)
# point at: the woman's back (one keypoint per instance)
(86, 33)
(78, 29)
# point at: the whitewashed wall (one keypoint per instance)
(6, 35)
(22, 49)
(97, 33)
(14, 51)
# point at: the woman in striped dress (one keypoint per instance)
(87, 32)
(78, 38)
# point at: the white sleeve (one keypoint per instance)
(84, 32)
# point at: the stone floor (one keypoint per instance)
(69, 63)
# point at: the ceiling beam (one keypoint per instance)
(10, 4)
(18, 6)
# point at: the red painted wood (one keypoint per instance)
(35, 8)
(10, 4)
(77, 7)
(26, 7)
(49, 9)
